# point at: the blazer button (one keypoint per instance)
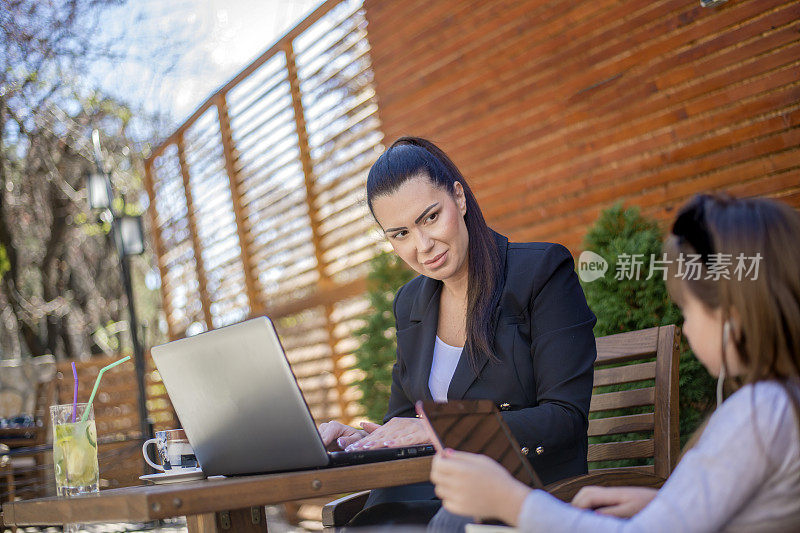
(505, 406)
(539, 450)
(525, 450)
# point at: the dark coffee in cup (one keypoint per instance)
(174, 451)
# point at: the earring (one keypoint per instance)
(726, 335)
(720, 384)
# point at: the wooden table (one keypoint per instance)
(214, 505)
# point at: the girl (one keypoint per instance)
(743, 473)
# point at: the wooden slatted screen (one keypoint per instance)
(178, 263)
(344, 138)
(555, 110)
(256, 202)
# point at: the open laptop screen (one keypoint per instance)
(239, 402)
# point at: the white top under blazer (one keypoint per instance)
(445, 360)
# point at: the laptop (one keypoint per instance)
(239, 403)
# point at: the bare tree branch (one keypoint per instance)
(62, 283)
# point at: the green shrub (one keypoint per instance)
(377, 351)
(638, 303)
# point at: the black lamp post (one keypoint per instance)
(129, 239)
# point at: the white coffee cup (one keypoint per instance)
(174, 451)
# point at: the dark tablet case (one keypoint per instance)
(476, 426)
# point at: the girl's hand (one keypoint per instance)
(396, 432)
(336, 435)
(475, 485)
(623, 502)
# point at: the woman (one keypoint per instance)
(743, 473)
(484, 319)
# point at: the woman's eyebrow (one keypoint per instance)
(425, 212)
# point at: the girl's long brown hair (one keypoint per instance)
(764, 308)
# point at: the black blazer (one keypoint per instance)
(545, 346)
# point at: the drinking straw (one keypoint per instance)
(97, 384)
(74, 394)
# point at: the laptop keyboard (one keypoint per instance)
(380, 454)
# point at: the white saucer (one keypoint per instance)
(174, 477)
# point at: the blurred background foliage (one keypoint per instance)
(61, 288)
(630, 304)
(377, 352)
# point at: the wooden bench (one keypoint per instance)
(648, 359)
(645, 363)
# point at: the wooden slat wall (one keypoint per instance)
(555, 110)
(255, 201)
(175, 232)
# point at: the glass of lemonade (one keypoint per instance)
(74, 450)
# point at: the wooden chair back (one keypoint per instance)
(645, 364)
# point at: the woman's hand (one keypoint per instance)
(623, 502)
(337, 435)
(475, 485)
(396, 432)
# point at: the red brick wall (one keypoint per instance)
(554, 110)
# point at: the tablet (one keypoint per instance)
(476, 426)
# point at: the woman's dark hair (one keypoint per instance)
(766, 306)
(410, 157)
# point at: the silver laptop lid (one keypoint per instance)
(238, 401)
